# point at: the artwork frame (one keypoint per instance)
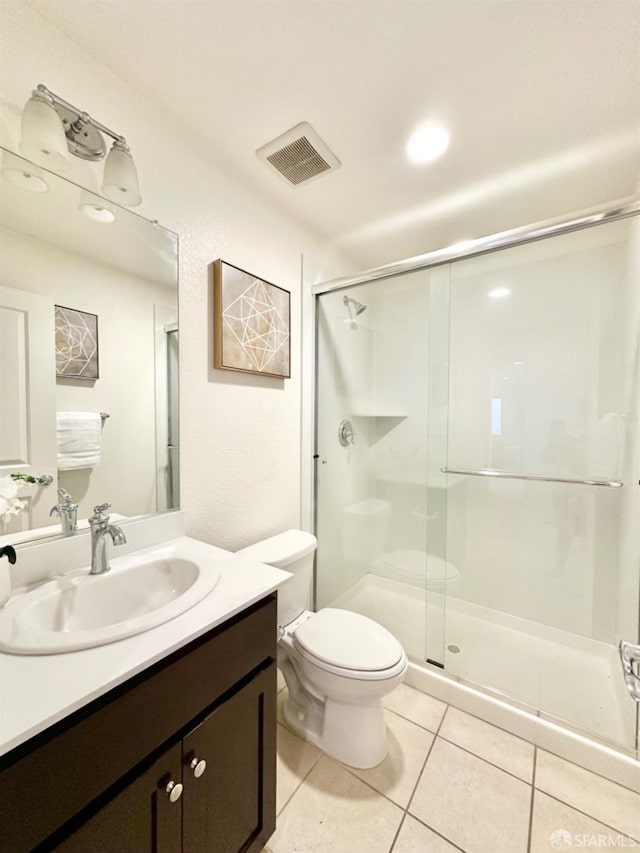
(77, 350)
(251, 322)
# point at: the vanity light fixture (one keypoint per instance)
(427, 143)
(52, 127)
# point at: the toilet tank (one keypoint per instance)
(292, 551)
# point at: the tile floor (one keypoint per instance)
(450, 782)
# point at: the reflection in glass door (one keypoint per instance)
(371, 487)
(543, 367)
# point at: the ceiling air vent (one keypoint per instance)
(299, 155)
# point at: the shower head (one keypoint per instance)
(358, 306)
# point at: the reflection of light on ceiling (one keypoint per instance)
(499, 292)
(98, 211)
(514, 181)
(427, 144)
(461, 246)
(518, 362)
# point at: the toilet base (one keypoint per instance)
(353, 734)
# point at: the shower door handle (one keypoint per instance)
(630, 656)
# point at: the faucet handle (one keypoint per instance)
(99, 513)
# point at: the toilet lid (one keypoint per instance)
(348, 640)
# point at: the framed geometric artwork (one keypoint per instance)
(76, 344)
(251, 319)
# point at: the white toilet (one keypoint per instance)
(337, 664)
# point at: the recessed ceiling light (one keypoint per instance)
(499, 292)
(427, 144)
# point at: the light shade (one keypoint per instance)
(43, 139)
(120, 182)
(23, 174)
(96, 208)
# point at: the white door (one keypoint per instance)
(27, 400)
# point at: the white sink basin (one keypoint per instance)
(78, 610)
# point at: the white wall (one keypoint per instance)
(239, 434)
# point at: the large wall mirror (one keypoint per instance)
(88, 353)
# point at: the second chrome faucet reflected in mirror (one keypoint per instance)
(100, 528)
(68, 512)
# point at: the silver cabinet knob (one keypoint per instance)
(174, 789)
(198, 765)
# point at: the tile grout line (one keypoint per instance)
(438, 735)
(420, 774)
(422, 726)
(533, 793)
(435, 832)
(593, 772)
(398, 831)
(414, 723)
(486, 722)
(298, 786)
(590, 816)
(538, 715)
(405, 809)
(486, 760)
(352, 770)
(302, 780)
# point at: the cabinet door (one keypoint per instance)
(140, 819)
(230, 807)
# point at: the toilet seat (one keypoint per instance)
(348, 644)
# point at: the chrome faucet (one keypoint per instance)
(68, 512)
(100, 527)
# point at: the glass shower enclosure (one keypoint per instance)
(478, 447)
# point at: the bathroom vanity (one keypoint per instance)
(161, 742)
(107, 778)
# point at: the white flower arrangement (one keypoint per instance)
(9, 503)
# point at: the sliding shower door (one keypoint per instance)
(477, 465)
(372, 513)
(539, 525)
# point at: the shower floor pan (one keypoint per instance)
(570, 677)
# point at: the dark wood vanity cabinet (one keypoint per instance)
(75, 790)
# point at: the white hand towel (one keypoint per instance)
(79, 436)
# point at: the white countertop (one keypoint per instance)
(39, 690)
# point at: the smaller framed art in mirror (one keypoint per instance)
(252, 326)
(76, 344)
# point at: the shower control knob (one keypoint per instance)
(345, 433)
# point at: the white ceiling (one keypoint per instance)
(541, 98)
